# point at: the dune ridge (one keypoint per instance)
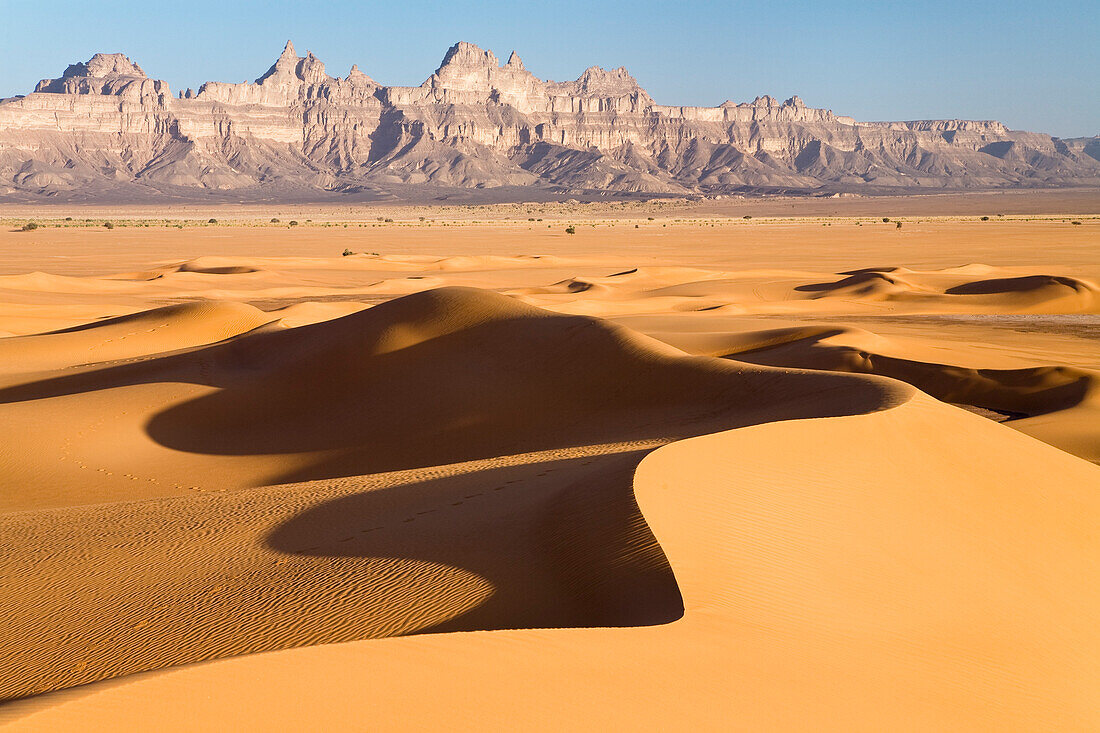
(1067, 397)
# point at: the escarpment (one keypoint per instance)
(105, 129)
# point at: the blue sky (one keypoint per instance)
(1034, 66)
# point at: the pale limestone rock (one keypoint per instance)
(477, 123)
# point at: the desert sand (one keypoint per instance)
(692, 470)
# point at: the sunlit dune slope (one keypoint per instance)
(133, 336)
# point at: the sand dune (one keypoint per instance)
(518, 393)
(900, 289)
(664, 492)
(126, 337)
(1068, 398)
(1025, 294)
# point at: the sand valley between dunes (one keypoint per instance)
(427, 468)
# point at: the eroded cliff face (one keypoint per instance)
(105, 127)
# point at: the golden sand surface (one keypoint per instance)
(690, 471)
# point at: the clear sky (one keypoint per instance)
(1032, 65)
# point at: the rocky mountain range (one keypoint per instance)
(105, 131)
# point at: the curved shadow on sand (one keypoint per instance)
(562, 544)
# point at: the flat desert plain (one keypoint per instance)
(458, 468)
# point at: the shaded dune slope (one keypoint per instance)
(1058, 404)
(467, 462)
(958, 288)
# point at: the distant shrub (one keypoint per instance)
(348, 253)
(898, 224)
(68, 218)
(747, 216)
(570, 230)
(30, 226)
(388, 221)
(422, 219)
(212, 221)
(108, 225)
(274, 220)
(531, 219)
(885, 220)
(985, 218)
(1075, 223)
(293, 223)
(649, 218)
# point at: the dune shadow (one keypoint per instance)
(855, 278)
(561, 543)
(1022, 284)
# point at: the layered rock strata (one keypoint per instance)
(104, 127)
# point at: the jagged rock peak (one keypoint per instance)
(356, 76)
(103, 73)
(105, 64)
(290, 66)
(464, 54)
(794, 101)
(311, 69)
(597, 80)
(515, 62)
(285, 65)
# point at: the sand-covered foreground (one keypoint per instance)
(773, 475)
